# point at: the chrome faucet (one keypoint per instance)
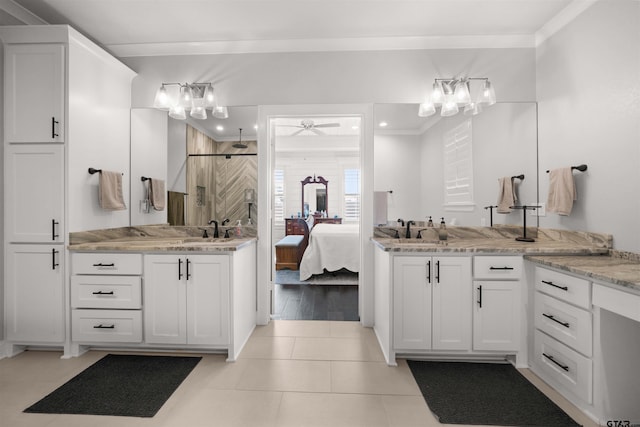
(216, 234)
(409, 224)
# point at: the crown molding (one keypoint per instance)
(562, 19)
(20, 13)
(321, 45)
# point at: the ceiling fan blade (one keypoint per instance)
(297, 132)
(290, 126)
(327, 125)
(317, 131)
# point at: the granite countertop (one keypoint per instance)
(619, 270)
(169, 244)
(490, 245)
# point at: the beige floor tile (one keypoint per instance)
(285, 375)
(332, 349)
(294, 328)
(226, 408)
(408, 411)
(335, 410)
(348, 329)
(373, 378)
(268, 348)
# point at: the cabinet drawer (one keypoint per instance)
(497, 267)
(106, 326)
(568, 324)
(106, 292)
(567, 288)
(106, 263)
(564, 366)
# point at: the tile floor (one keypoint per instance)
(291, 373)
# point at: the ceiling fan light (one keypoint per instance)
(487, 95)
(161, 100)
(461, 93)
(449, 107)
(426, 109)
(220, 112)
(209, 99)
(177, 112)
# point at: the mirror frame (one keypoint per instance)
(314, 180)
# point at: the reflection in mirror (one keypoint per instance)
(219, 180)
(314, 195)
(422, 164)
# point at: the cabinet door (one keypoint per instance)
(496, 316)
(34, 290)
(451, 305)
(34, 185)
(164, 299)
(34, 93)
(207, 287)
(412, 303)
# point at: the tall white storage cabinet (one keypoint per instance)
(66, 108)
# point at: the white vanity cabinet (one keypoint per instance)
(497, 309)
(106, 298)
(34, 294)
(432, 303)
(34, 93)
(562, 352)
(186, 299)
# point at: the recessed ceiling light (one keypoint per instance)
(255, 126)
(219, 128)
(382, 124)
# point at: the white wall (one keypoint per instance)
(588, 77)
(177, 156)
(149, 159)
(98, 133)
(398, 169)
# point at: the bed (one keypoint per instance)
(331, 247)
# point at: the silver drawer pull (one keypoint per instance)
(546, 282)
(103, 293)
(549, 316)
(566, 368)
(104, 265)
(500, 268)
(101, 326)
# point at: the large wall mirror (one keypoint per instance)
(314, 195)
(409, 158)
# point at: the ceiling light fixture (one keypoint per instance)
(178, 98)
(455, 93)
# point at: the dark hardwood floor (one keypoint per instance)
(316, 302)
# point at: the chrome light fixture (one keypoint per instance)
(197, 98)
(454, 94)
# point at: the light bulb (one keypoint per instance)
(449, 107)
(199, 113)
(161, 100)
(461, 93)
(177, 112)
(209, 100)
(487, 95)
(426, 109)
(186, 97)
(437, 96)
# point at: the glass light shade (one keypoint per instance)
(449, 107)
(186, 97)
(161, 100)
(221, 112)
(472, 108)
(177, 112)
(462, 92)
(198, 113)
(487, 95)
(437, 96)
(426, 109)
(209, 100)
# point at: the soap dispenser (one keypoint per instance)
(442, 232)
(239, 228)
(430, 222)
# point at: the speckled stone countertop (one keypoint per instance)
(498, 240)
(618, 268)
(158, 238)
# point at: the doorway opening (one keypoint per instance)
(316, 217)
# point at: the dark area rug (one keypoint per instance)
(485, 394)
(121, 385)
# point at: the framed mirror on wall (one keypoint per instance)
(314, 195)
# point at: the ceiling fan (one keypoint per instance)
(310, 125)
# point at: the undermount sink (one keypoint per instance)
(417, 242)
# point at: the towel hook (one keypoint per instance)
(520, 177)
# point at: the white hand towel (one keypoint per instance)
(562, 191)
(110, 191)
(157, 194)
(506, 195)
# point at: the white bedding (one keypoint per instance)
(331, 247)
